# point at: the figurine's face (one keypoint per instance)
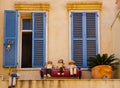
(49, 62)
(14, 71)
(60, 61)
(71, 63)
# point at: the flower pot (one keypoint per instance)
(102, 72)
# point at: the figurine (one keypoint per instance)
(12, 79)
(61, 67)
(48, 69)
(73, 69)
(9, 45)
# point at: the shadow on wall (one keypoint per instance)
(118, 4)
(116, 73)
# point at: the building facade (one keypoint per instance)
(36, 31)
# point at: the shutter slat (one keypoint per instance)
(77, 36)
(38, 40)
(91, 48)
(90, 24)
(38, 26)
(91, 34)
(77, 25)
(78, 55)
(38, 53)
(10, 34)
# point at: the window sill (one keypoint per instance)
(28, 69)
(84, 69)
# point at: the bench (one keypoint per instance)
(66, 73)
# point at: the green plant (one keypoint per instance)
(103, 60)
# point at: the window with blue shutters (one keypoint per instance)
(32, 39)
(84, 36)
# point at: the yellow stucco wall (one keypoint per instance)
(115, 35)
(58, 39)
(115, 28)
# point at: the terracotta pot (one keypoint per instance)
(102, 72)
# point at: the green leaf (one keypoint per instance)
(103, 59)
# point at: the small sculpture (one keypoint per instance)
(48, 69)
(73, 69)
(13, 75)
(9, 45)
(61, 66)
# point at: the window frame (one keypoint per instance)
(70, 32)
(20, 37)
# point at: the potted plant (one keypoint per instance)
(102, 66)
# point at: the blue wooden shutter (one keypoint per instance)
(10, 37)
(91, 34)
(77, 38)
(38, 39)
(84, 36)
